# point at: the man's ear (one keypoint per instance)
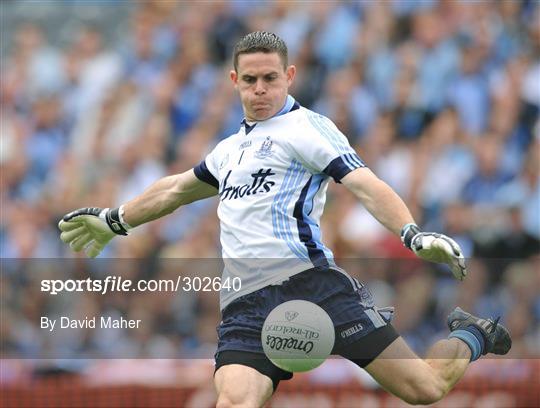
(234, 77)
(291, 73)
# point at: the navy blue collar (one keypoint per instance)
(248, 127)
(290, 105)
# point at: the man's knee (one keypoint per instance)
(224, 402)
(228, 400)
(424, 392)
(241, 386)
(231, 399)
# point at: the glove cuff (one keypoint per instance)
(116, 222)
(121, 217)
(408, 232)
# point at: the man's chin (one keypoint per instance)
(262, 114)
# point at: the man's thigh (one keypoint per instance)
(254, 361)
(240, 385)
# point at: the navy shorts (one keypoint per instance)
(361, 331)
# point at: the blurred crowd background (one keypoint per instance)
(440, 98)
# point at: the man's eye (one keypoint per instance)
(249, 80)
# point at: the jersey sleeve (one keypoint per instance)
(322, 148)
(207, 170)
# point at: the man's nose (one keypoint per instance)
(260, 88)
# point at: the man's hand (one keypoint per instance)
(91, 228)
(435, 247)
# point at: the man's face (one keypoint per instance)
(262, 83)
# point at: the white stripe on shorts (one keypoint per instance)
(375, 318)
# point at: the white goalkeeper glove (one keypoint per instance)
(435, 247)
(91, 228)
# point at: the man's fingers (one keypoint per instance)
(83, 229)
(448, 245)
(70, 235)
(80, 242)
(68, 225)
(456, 258)
(93, 211)
(458, 268)
(94, 249)
(459, 272)
(444, 246)
(453, 244)
(462, 266)
(441, 249)
(74, 214)
(452, 252)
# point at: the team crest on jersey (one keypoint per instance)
(265, 150)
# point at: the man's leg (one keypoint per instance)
(417, 381)
(401, 372)
(246, 379)
(241, 386)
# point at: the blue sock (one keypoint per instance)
(472, 338)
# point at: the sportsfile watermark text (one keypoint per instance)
(119, 284)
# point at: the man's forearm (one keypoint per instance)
(387, 207)
(165, 196)
(379, 199)
(161, 198)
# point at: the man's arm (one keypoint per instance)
(165, 196)
(379, 199)
(390, 210)
(91, 228)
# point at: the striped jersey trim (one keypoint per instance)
(280, 222)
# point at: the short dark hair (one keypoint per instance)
(260, 41)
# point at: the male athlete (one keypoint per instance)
(271, 178)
